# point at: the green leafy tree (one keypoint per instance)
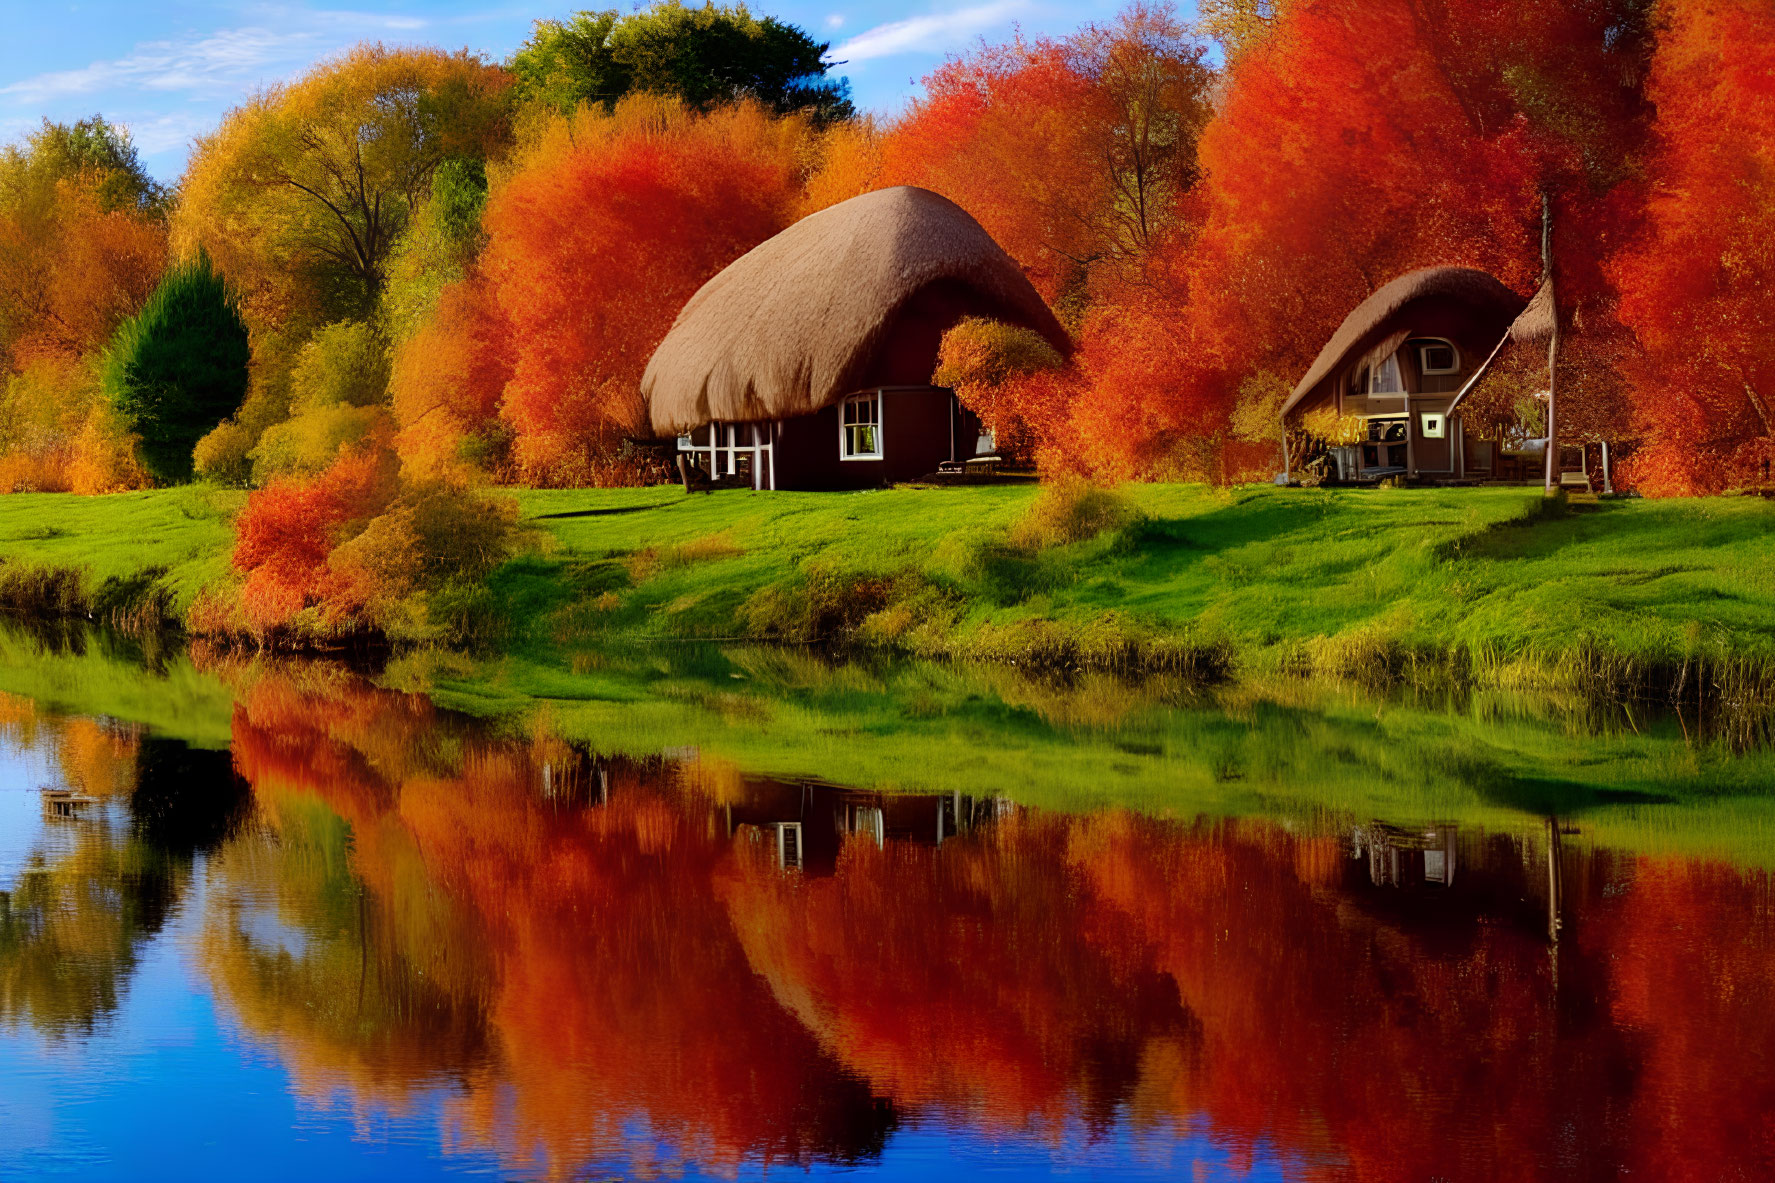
(179, 367)
(94, 150)
(338, 387)
(706, 56)
(437, 248)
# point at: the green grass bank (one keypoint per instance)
(1386, 585)
(133, 560)
(1312, 752)
(1497, 585)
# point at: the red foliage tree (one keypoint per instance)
(1698, 286)
(289, 529)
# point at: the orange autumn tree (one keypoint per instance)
(82, 244)
(448, 380)
(600, 230)
(1698, 284)
(1080, 157)
(82, 239)
(1399, 135)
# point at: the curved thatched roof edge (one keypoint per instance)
(794, 324)
(1461, 283)
(1535, 324)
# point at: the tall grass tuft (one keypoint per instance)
(1072, 510)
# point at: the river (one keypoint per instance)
(286, 921)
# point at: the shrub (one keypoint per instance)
(356, 547)
(338, 385)
(1072, 510)
(221, 456)
(1006, 376)
(179, 367)
(289, 529)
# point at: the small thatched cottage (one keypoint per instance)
(1397, 363)
(807, 363)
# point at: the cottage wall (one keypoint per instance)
(920, 429)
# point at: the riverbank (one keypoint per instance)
(1300, 750)
(1490, 585)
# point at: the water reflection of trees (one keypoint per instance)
(628, 961)
(125, 816)
(633, 964)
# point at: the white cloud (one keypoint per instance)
(168, 133)
(219, 63)
(935, 33)
(835, 21)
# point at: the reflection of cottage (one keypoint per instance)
(573, 776)
(806, 824)
(1401, 857)
(64, 804)
(807, 363)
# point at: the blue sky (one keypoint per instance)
(169, 70)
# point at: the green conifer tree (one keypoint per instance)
(178, 367)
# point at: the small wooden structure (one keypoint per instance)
(807, 363)
(64, 804)
(1396, 365)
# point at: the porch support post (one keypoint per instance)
(1608, 482)
(1552, 343)
(1411, 455)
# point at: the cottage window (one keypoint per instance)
(1431, 426)
(859, 427)
(1437, 357)
(1386, 379)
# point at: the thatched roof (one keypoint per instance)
(851, 297)
(1535, 325)
(1363, 328)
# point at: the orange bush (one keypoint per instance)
(289, 529)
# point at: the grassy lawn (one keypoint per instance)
(1289, 574)
(175, 541)
(1337, 580)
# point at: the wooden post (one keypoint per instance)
(1608, 482)
(1411, 455)
(1552, 465)
(1555, 882)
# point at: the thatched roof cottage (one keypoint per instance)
(807, 363)
(1396, 364)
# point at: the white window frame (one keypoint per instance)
(1429, 343)
(727, 442)
(1425, 418)
(844, 439)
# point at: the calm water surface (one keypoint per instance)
(356, 936)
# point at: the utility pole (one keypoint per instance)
(1552, 341)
